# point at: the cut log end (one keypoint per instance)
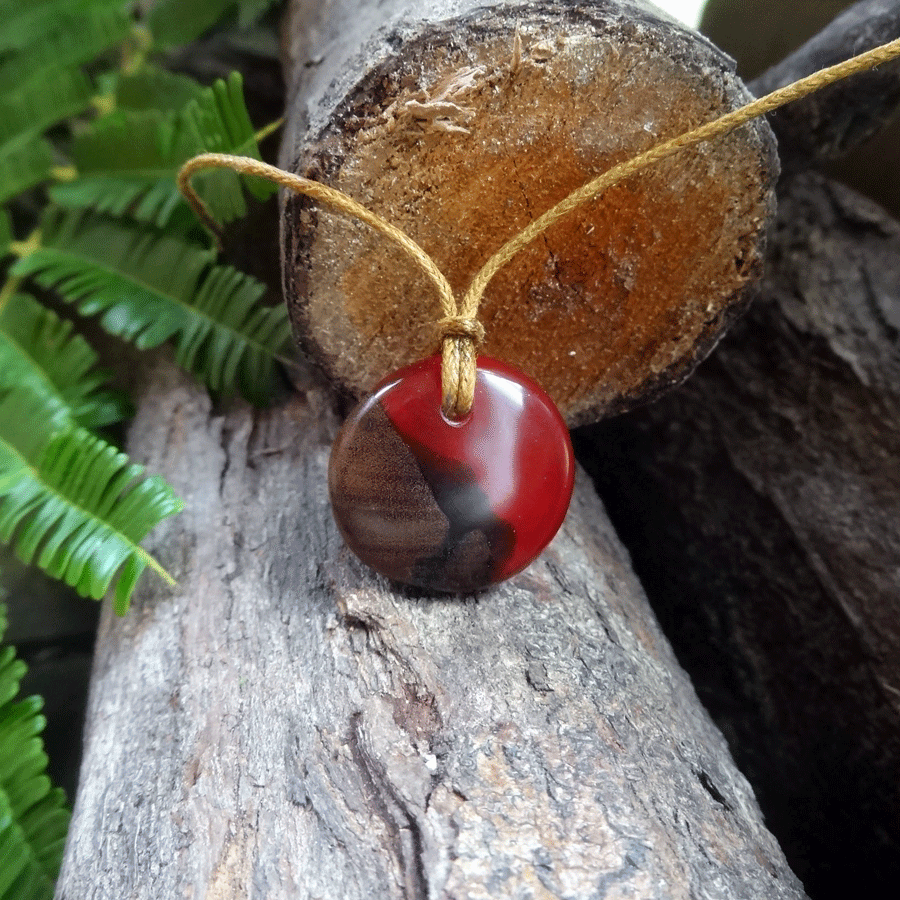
(476, 127)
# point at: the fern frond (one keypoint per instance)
(33, 815)
(49, 96)
(127, 274)
(40, 353)
(221, 121)
(69, 41)
(126, 165)
(218, 122)
(233, 341)
(148, 286)
(26, 21)
(128, 161)
(157, 89)
(76, 506)
(174, 22)
(24, 162)
(6, 232)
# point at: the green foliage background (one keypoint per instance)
(93, 129)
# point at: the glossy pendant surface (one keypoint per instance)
(451, 506)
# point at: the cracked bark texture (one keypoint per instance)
(761, 504)
(286, 724)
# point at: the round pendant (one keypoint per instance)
(444, 505)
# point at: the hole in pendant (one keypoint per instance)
(456, 423)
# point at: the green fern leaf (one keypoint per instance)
(69, 40)
(126, 164)
(33, 815)
(157, 89)
(24, 162)
(174, 22)
(40, 353)
(148, 286)
(128, 161)
(127, 274)
(218, 122)
(49, 96)
(11, 670)
(76, 506)
(6, 232)
(233, 341)
(26, 21)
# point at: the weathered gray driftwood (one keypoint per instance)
(287, 725)
(761, 504)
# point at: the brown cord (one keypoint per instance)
(459, 328)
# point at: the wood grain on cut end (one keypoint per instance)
(473, 129)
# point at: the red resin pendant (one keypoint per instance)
(451, 506)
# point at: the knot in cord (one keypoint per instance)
(460, 336)
(461, 327)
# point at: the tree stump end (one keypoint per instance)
(476, 126)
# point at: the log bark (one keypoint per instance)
(761, 504)
(287, 725)
(760, 42)
(461, 122)
(830, 122)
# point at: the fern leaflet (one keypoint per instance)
(128, 160)
(26, 21)
(6, 232)
(175, 22)
(157, 89)
(76, 506)
(47, 97)
(33, 816)
(24, 162)
(148, 286)
(69, 41)
(126, 165)
(40, 353)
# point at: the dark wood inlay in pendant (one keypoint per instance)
(451, 506)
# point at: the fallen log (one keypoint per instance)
(760, 503)
(460, 123)
(288, 724)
